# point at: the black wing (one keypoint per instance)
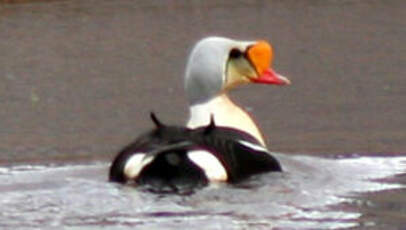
(240, 153)
(169, 165)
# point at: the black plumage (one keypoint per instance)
(172, 169)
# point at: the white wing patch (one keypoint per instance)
(253, 146)
(211, 166)
(135, 164)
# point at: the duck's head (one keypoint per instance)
(218, 64)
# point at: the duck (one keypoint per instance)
(220, 142)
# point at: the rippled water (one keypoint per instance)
(312, 193)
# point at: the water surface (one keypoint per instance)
(312, 193)
(78, 78)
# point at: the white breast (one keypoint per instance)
(226, 114)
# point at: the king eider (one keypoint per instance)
(221, 142)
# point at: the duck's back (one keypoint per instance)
(171, 158)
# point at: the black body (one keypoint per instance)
(239, 160)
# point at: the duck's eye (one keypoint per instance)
(235, 53)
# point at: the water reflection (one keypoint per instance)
(312, 193)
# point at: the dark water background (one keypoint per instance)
(79, 77)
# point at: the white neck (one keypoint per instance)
(226, 114)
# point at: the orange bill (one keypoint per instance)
(261, 56)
